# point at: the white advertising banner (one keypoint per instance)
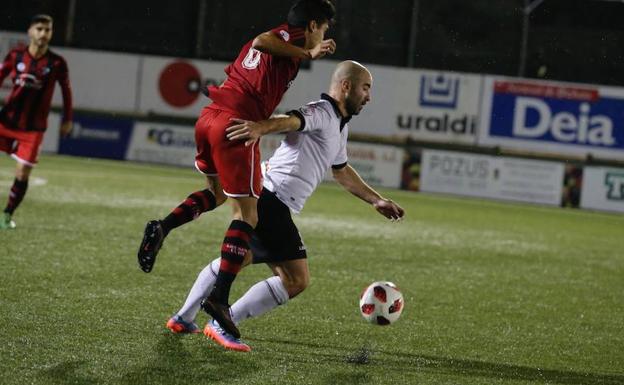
(603, 189)
(8, 41)
(162, 143)
(50, 142)
(173, 86)
(378, 165)
(492, 177)
(423, 105)
(101, 81)
(553, 117)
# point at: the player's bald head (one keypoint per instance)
(350, 70)
(350, 86)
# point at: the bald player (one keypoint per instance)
(316, 141)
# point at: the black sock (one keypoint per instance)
(16, 195)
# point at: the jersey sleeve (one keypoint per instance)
(6, 67)
(341, 157)
(312, 116)
(66, 92)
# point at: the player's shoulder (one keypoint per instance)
(57, 58)
(289, 33)
(16, 51)
(321, 106)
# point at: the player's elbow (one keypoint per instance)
(261, 42)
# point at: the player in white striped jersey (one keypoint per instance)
(316, 141)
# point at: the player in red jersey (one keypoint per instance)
(34, 71)
(255, 84)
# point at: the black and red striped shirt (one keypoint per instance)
(28, 105)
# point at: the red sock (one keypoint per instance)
(235, 246)
(197, 203)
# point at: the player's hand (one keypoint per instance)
(245, 129)
(389, 209)
(323, 48)
(66, 128)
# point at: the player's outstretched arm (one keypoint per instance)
(352, 182)
(251, 131)
(270, 43)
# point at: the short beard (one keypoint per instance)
(351, 107)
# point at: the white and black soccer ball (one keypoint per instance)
(381, 303)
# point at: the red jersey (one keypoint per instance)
(28, 105)
(257, 81)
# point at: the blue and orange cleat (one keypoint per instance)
(179, 326)
(223, 338)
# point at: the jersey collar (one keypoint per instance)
(343, 119)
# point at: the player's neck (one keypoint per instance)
(37, 51)
(339, 102)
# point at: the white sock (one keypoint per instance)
(201, 288)
(259, 299)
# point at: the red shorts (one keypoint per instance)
(23, 146)
(237, 165)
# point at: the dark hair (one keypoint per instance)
(41, 18)
(304, 11)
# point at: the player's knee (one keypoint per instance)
(220, 197)
(296, 285)
(22, 173)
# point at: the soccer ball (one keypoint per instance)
(381, 303)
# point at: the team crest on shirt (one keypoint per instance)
(308, 109)
(285, 35)
(20, 67)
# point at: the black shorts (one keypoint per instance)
(276, 238)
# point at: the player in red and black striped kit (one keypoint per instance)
(34, 71)
(255, 84)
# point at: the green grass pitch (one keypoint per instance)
(496, 293)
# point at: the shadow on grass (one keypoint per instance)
(405, 362)
(65, 373)
(172, 364)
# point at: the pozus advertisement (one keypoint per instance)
(553, 117)
(492, 177)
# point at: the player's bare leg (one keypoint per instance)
(16, 194)
(234, 255)
(192, 207)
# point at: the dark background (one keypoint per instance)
(572, 40)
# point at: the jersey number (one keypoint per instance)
(252, 59)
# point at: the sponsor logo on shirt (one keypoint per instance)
(284, 35)
(28, 81)
(308, 110)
